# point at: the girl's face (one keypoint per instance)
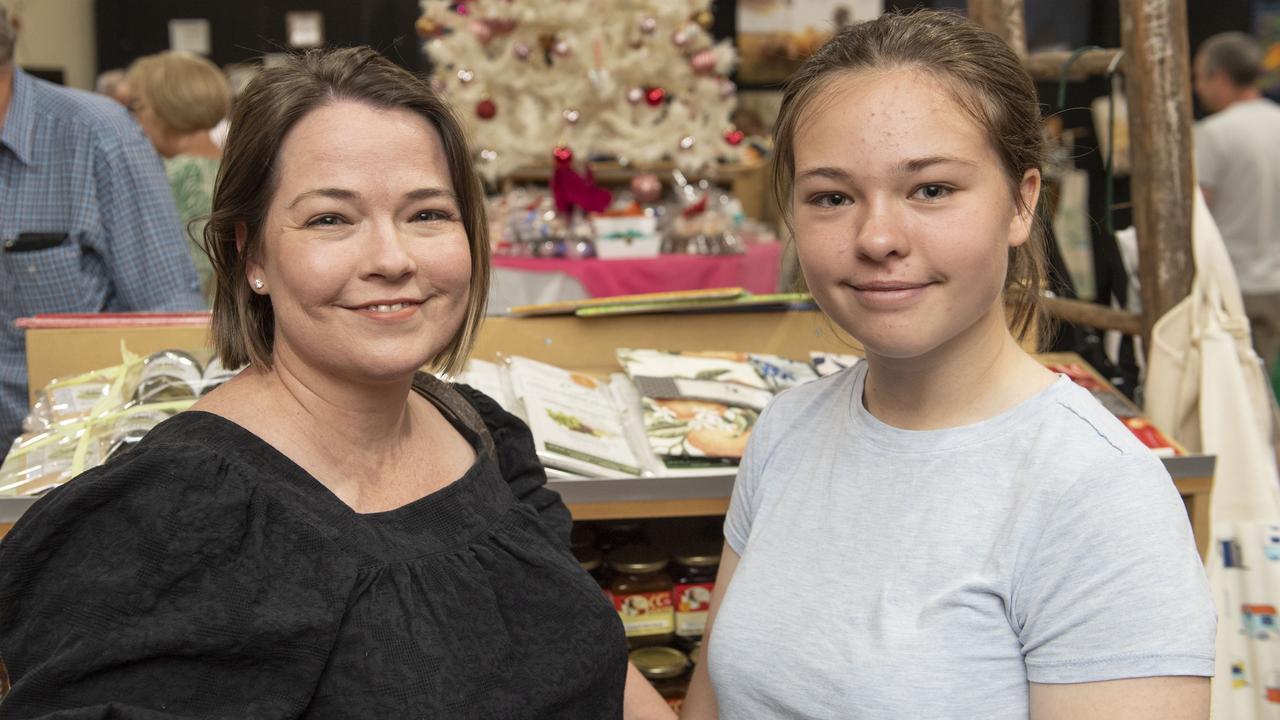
(363, 251)
(903, 215)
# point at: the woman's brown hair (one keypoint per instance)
(272, 103)
(989, 83)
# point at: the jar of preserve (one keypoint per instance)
(642, 594)
(665, 668)
(592, 561)
(582, 537)
(614, 534)
(694, 578)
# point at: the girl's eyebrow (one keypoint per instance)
(917, 164)
(829, 173)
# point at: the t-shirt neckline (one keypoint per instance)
(895, 439)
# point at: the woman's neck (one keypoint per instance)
(965, 381)
(346, 435)
(197, 144)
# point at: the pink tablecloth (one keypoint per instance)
(757, 271)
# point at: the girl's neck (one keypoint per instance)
(966, 381)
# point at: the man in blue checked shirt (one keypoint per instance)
(87, 220)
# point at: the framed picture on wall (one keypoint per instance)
(304, 29)
(775, 36)
(1266, 24)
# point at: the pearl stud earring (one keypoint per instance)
(258, 283)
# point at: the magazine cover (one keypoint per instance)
(697, 404)
(576, 424)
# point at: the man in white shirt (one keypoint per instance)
(1238, 162)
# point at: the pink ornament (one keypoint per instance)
(727, 88)
(646, 188)
(703, 62)
(482, 31)
(521, 51)
(462, 9)
(561, 48)
(635, 95)
(680, 38)
(648, 25)
(562, 153)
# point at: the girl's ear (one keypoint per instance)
(252, 268)
(1024, 215)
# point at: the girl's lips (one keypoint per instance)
(888, 295)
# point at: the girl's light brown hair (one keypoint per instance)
(273, 102)
(987, 81)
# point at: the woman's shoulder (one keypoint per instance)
(185, 467)
(471, 406)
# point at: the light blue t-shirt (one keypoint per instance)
(889, 573)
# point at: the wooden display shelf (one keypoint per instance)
(584, 345)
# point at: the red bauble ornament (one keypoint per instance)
(486, 109)
(562, 153)
(654, 96)
(733, 137)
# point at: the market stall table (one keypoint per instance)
(529, 281)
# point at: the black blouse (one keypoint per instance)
(203, 574)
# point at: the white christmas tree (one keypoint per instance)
(640, 81)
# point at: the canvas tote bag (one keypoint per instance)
(1206, 385)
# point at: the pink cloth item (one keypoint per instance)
(756, 271)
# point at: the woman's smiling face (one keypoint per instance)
(363, 251)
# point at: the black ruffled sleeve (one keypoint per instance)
(164, 585)
(518, 460)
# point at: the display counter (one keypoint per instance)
(58, 348)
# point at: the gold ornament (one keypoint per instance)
(705, 19)
(426, 27)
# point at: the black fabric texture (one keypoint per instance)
(203, 574)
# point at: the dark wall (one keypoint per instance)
(242, 30)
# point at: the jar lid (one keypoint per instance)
(589, 558)
(659, 663)
(582, 537)
(698, 556)
(637, 559)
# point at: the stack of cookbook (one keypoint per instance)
(667, 414)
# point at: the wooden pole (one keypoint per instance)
(1079, 312)
(1158, 88)
(1047, 66)
(1004, 18)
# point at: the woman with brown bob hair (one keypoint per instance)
(946, 529)
(331, 533)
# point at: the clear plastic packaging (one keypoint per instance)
(80, 422)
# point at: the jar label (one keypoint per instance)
(646, 613)
(692, 601)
